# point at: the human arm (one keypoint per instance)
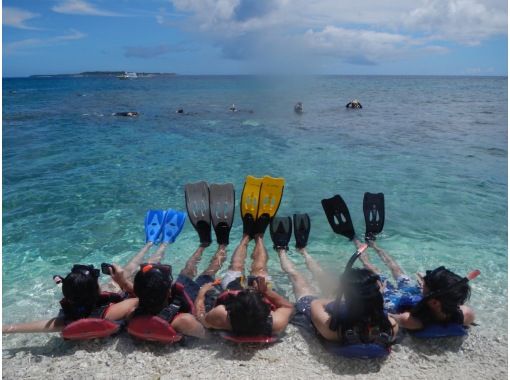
(118, 275)
(284, 308)
(121, 310)
(407, 321)
(200, 312)
(321, 319)
(217, 318)
(187, 324)
(46, 326)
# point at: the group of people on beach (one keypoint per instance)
(358, 308)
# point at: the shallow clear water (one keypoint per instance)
(77, 181)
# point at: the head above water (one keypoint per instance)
(152, 287)
(248, 313)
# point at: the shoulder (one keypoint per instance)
(281, 317)
(217, 318)
(468, 313)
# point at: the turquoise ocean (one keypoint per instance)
(77, 181)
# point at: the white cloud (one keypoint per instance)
(17, 18)
(81, 7)
(25, 45)
(366, 31)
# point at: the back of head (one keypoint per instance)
(248, 313)
(151, 288)
(364, 303)
(439, 285)
(81, 291)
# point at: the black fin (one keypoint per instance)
(222, 203)
(373, 209)
(281, 231)
(338, 216)
(301, 229)
(197, 205)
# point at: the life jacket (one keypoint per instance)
(158, 327)
(434, 329)
(224, 298)
(355, 344)
(93, 326)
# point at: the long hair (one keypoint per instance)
(81, 291)
(151, 288)
(439, 283)
(364, 305)
(248, 313)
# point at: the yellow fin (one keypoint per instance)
(271, 193)
(250, 196)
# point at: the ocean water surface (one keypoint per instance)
(77, 180)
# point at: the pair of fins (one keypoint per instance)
(340, 220)
(211, 205)
(260, 201)
(163, 226)
(281, 231)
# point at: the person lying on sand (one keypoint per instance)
(356, 313)
(84, 297)
(247, 308)
(439, 300)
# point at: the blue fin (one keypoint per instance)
(172, 225)
(153, 225)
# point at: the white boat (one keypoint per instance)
(128, 75)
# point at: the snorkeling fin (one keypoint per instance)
(222, 203)
(153, 225)
(270, 197)
(373, 209)
(172, 225)
(197, 204)
(301, 229)
(281, 231)
(250, 203)
(338, 216)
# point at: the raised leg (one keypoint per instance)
(396, 271)
(326, 281)
(216, 261)
(190, 269)
(239, 256)
(157, 256)
(260, 257)
(365, 260)
(300, 285)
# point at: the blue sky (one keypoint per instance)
(430, 37)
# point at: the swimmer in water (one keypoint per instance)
(354, 104)
(126, 114)
(298, 108)
(233, 108)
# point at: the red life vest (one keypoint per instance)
(93, 326)
(158, 328)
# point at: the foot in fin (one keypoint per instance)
(222, 203)
(281, 231)
(250, 203)
(301, 229)
(338, 216)
(373, 209)
(197, 205)
(270, 196)
(172, 225)
(153, 225)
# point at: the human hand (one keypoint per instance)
(206, 287)
(117, 274)
(260, 284)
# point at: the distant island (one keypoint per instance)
(102, 74)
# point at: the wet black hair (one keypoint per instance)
(81, 291)
(248, 313)
(439, 283)
(364, 305)
(151, 288)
